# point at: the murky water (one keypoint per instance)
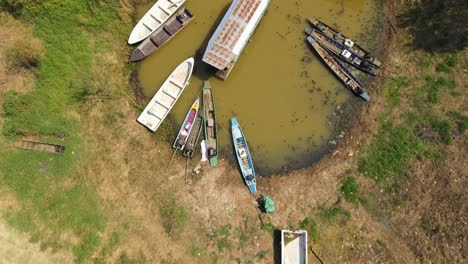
(279, 91)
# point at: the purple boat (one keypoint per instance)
(184, 132)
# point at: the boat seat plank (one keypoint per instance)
(147, 26)
(174, 82)
(164, 10)
(172, 90)
(210, 122)
(158, 110)
(172, 28)
(155, 17)
(160, 38)
(165, 100)
(147, 48)
(165, 92)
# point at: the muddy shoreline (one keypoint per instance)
(342, 121)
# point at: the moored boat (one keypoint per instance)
(339, 37)
(194, 136)
(187, 125)
(339, 69)
(209, 124)
(294, 247)
(166, 97)
(233, 33)
(243, 156)
(342, 52)
(162, 35)
(154, 19)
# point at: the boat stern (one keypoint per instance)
(310, 39)
(309, 30)
(214, 161)
(252, 187)
(364, 96)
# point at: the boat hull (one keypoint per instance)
(209, 124)
(342, 39)
(158, 14)
(243, 156)
(192, 141)
(342, 52)
(338, 69)
(161, 36)
(166, 97)
(187, 126)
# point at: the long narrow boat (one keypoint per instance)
(40, 146)
(187, 125)
(153, 19)
(243, 156)
(165, 98)
(162, 35)
(339, 69)
(342, 52)
(194, 136)
(209, 124)
(294, 247)
(337, 36)
(233, 33)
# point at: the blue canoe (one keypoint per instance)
(243, 156)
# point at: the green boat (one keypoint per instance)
(209, 124)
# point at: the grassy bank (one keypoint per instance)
(53, 199)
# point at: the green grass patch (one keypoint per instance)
(71, 32)
(333, 215)
(392, 89)
(196, 250)
(222, 237)
(87, 246)
(387, 156)
(447, 64)
(350, 190)
(174, 217)
(435, 85)
(311, 227)
(444, 129)
(270, 228)
(461, 121)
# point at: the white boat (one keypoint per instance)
(294, 247)
(166, 97)
(233, 33)
(153, 19)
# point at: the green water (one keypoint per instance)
(279, 91)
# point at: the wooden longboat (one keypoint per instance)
(187, 126)
(339, 37)
(294, 247)
(40, 146)
(166, 97)
(162, 35)
(209, 124)
(158, 14)
(243, 156)
(339, 69)
(194, 136)
(342, 52)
